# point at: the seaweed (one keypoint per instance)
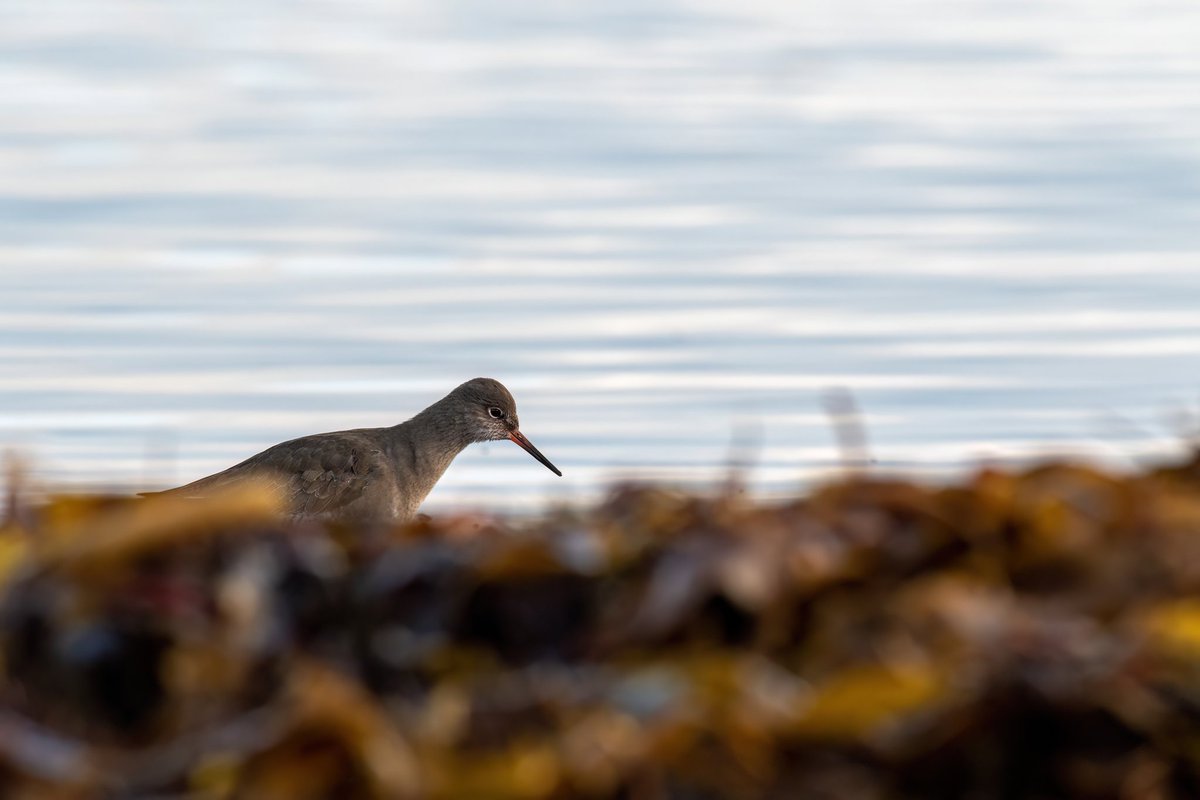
(1016, 634)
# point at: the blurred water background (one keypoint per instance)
(665, 225)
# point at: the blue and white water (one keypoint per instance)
(662, 224)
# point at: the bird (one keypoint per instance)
(375, 474)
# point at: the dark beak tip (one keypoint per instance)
(526, 445)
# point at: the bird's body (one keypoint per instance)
(372, 474)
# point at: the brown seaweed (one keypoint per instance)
(1030, 634)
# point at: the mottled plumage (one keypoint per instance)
(377, 473)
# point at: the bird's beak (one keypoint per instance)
(520, 439)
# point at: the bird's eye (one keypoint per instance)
(496, 412)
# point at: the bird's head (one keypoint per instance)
(491, 414)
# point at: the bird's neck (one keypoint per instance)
(440, 427)
(423, 448)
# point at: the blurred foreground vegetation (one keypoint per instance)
(1019, 635)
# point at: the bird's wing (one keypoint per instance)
(315, 474)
